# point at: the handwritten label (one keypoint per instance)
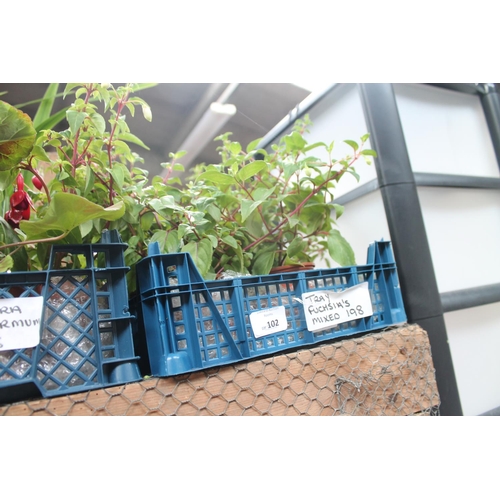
(268, 321)
(20, 321)
(326, 308)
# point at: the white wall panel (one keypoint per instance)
(474, 337)
(445, 131)
(463, 230)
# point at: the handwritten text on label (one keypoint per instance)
(324, 309)
(20, 321)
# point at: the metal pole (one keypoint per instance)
(408, 235)
(490, 100)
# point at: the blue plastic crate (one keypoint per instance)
(187, 324)
(86, 329)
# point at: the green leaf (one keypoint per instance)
(146, 110)
(172, 242)
(353, 145)
(253, 145)
(314, 146)
(339, 210)
(251, 169)
(369, 152)
(314, 217)
(230, 241)
(121, 148)
(297, 246)
(6, 264)
(262, 194)
(147, 220)
(340, 250)
(136, 87)
(99, 123)
(239, 262)
(354, 174)
(213, 239)
(126, 136)
(45, 107)
(247, 207)
(86, 228)
(160, 237)
(201, 252)
(7, 178)
(254, 225)
(131, 108)
(89, 181)
(81, 91)
(75, 120)
(263, 262)
(39, 152)
(217, 178)
(69, 87)
(295, 142)
(53, 120)
(66, 212)
(292, 221)
(167, 201)
(177, 155)
(118, 174)
(104, 95)
(133, 243)
(19, 256)
(290, 168)
(234, 147)
(43, 254)
(17, 136)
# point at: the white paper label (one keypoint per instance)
(268, 321)
(324, 309)
(20, 321)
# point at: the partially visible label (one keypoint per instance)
(268, 321)
(20, 321)
(324, 309)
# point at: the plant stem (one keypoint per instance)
(99, 177)
(301, 205)
(75, 161)
(34, 242)
(29, 168)
(121, 103)
(89, 142)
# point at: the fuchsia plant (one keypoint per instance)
(254, 210)
(69, 186)
(258, 209)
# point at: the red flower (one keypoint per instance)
(14, 217)
(37, 182)
(20, 203)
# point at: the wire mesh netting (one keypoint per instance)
(386, 373)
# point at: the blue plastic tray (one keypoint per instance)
(187, 324)
(86, 333)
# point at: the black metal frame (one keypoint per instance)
(408, 235)
(398, 186)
